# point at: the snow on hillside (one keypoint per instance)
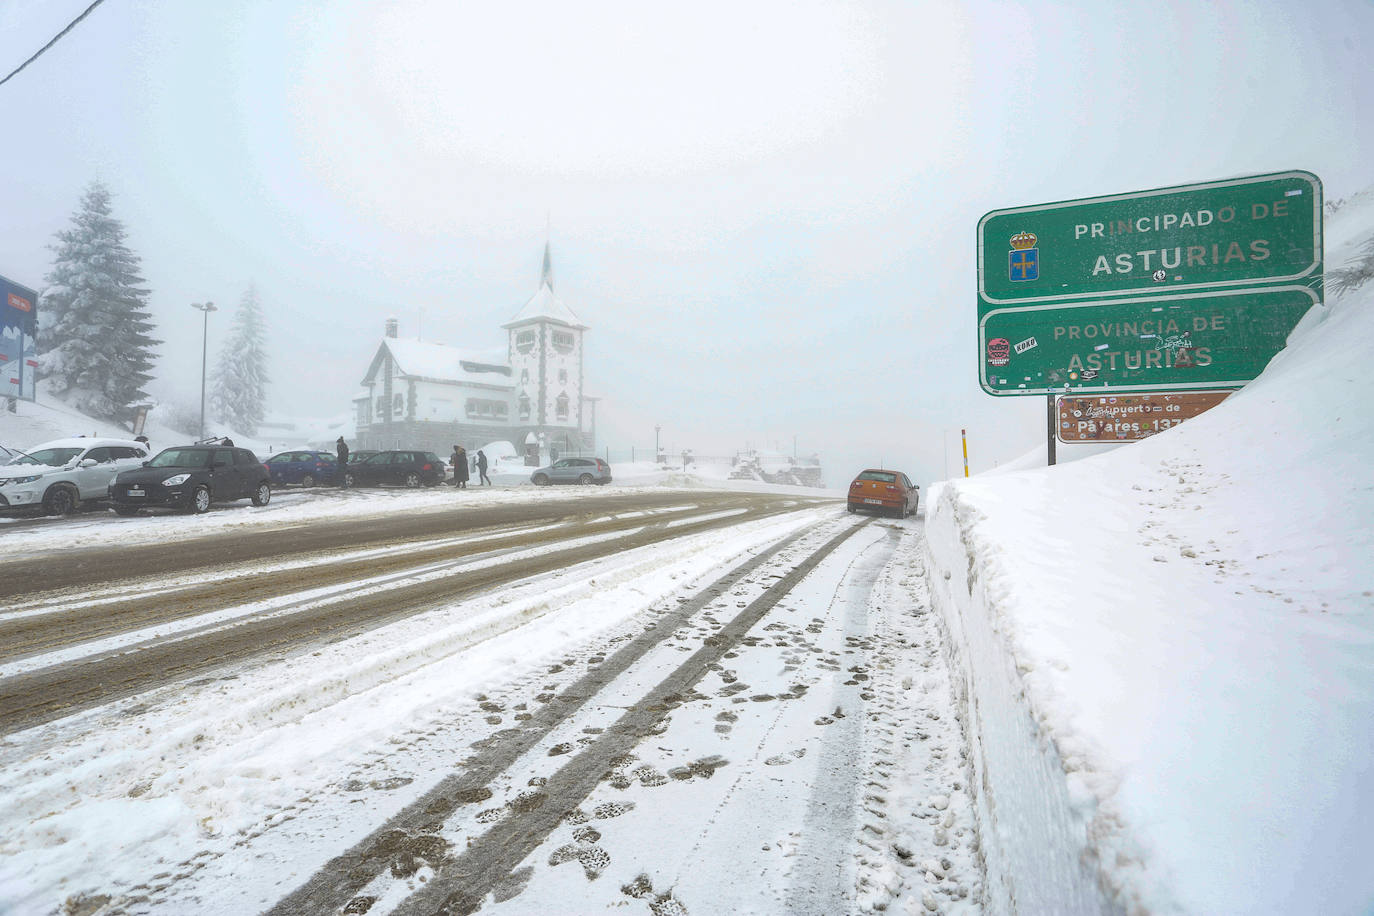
(1167, 650)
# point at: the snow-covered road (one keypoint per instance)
(748, 717)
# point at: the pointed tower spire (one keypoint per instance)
(546, 277)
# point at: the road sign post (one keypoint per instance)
(1184, 288)
(1050, 418)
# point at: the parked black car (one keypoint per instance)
(402, 467)
(191, 477)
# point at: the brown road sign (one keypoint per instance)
(1128, 417)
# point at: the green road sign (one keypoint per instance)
(1217, 339)
(1181, 288)
(1264, 230)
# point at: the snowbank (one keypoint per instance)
(1165, 651)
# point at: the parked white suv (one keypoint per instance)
(59, 476)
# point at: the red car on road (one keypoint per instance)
(884, 491)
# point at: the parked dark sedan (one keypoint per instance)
(573, 470)
(306, 468)
(191, 477)
(401, 467)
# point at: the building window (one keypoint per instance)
(484, 408)
(398, 404)
(524, 341)
(524, 376)
(381, 408)
(561, 407)
(562, 376)
(364, 413)
(562, 341)
(524, 407)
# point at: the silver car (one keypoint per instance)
(585, 471)
(59, 477)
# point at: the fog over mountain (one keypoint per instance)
(765, 215)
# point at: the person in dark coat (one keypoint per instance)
(460, 467)
(482, 468)
(341, 448)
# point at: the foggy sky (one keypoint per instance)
(765, 212)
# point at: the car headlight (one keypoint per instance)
(30, 479)
(176, 480)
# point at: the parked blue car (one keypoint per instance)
(306, 468)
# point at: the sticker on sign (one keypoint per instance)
(1025, 345)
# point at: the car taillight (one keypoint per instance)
(892, 488)
(427, 467)
(855, 485)
(266, 469)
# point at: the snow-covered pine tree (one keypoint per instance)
(94, 335)
(239, 398)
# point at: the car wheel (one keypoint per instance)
(126, 511)
(412, 480)
(308, 480)
(915, 505)
(585, 480)
(853, 509)
(262, 495)
(59, 500)
(200, 500)
(541, 480)
(349, 480)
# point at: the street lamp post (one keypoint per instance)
(205, 309)
(657, 451)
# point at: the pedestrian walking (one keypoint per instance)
(341, 449)
(482, 468)
(460, 467)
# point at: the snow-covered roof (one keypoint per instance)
(546, 306)
(84, 442)
(422, 359)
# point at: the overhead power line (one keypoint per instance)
(56, 38)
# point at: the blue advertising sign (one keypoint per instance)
(18, 327)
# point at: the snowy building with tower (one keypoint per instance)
(432, 396)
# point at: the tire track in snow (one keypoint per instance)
(822, 876)
(488, 861)
(49, 694)
(917, 847)
(149, 602)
